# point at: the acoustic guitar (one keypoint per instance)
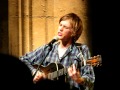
(54, 70)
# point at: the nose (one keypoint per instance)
(61, 28)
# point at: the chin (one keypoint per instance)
(59, 37)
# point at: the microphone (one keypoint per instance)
(53, 40)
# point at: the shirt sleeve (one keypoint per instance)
(33, 58)
(87, 71)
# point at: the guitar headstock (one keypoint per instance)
(95, 61)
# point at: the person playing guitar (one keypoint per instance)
(63, 57)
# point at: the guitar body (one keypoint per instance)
(53, 71)
(54, 80)
(51, 68)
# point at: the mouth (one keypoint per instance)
(59, 34)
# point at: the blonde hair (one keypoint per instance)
(76, 23)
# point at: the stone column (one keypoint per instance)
(14, 27)
(19, 27)
(26, 25)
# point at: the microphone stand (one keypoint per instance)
(47, 46)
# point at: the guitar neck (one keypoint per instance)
(57, 73)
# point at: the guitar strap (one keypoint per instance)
(80, 54)
(57, 69)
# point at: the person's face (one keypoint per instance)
(65, 30)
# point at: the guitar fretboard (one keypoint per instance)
(56, 74)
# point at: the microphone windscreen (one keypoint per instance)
(56, 38)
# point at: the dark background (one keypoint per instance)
(105, 39)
